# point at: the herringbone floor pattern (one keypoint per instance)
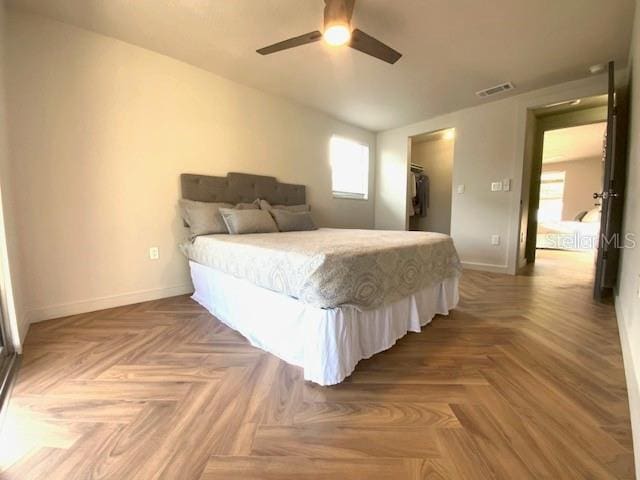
(524, 380)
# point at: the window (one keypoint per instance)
(551, 196)
(349, 168)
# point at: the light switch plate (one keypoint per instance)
(460, 188)
(154, 253)
(495, 239)
(506, 185)
(496, 186)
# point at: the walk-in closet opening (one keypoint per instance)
(430, 181)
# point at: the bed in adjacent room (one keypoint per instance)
(322, 299)
(582, 233)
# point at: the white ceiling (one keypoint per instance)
(573, 143)
(451, 48)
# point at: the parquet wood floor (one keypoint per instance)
(523, 381)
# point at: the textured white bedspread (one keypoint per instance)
(329, 268)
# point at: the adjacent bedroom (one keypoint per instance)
(330, 239)
(567, 186)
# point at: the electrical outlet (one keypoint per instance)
(495, 239)
(154, 253)
(496, 186)
(460, 188)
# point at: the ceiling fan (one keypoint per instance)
(337, 32)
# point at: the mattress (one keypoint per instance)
(568, 235)
(328, 268)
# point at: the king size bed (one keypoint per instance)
(322, 299)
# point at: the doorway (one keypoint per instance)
(572, 170)
(566, 169)
(609, 197)
(430, 181)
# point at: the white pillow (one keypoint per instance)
(592, 216)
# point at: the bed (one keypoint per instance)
(580, 234)
(323, 299)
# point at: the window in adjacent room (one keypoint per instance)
(349, 168)
(551, 196)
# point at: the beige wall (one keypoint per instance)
(627, 301)
(101, 131)
(436, 157)
(490, 146)
(582, 178)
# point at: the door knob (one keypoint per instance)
(605, 195)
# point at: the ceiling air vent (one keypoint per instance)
(505, 87)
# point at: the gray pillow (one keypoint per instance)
(248, 221)
(264, 205)
(203, 218)
(249, 206)
(292, 221)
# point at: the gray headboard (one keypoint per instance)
(240, 187)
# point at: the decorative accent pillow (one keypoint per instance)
(264, 205)
(288, 221)
(248, 221)
(203, 218)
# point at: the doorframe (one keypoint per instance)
(411, 139)
(544, 123)
(9, 361)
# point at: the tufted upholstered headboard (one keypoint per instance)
(240, 187)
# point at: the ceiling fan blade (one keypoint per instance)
(291, 43)
(350, 4)
(338, 11)
(369, 45)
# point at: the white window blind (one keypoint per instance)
(349, 168)
(551, 196)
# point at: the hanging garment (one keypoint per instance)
(422, 196)
(413, 185)
(412, 193)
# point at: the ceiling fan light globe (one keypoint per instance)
(337, 35)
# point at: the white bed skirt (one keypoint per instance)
(326, 343)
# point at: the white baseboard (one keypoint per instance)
(23, 334)
(84, 306)
(486, 267)
(522, 263)
(633, 383)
